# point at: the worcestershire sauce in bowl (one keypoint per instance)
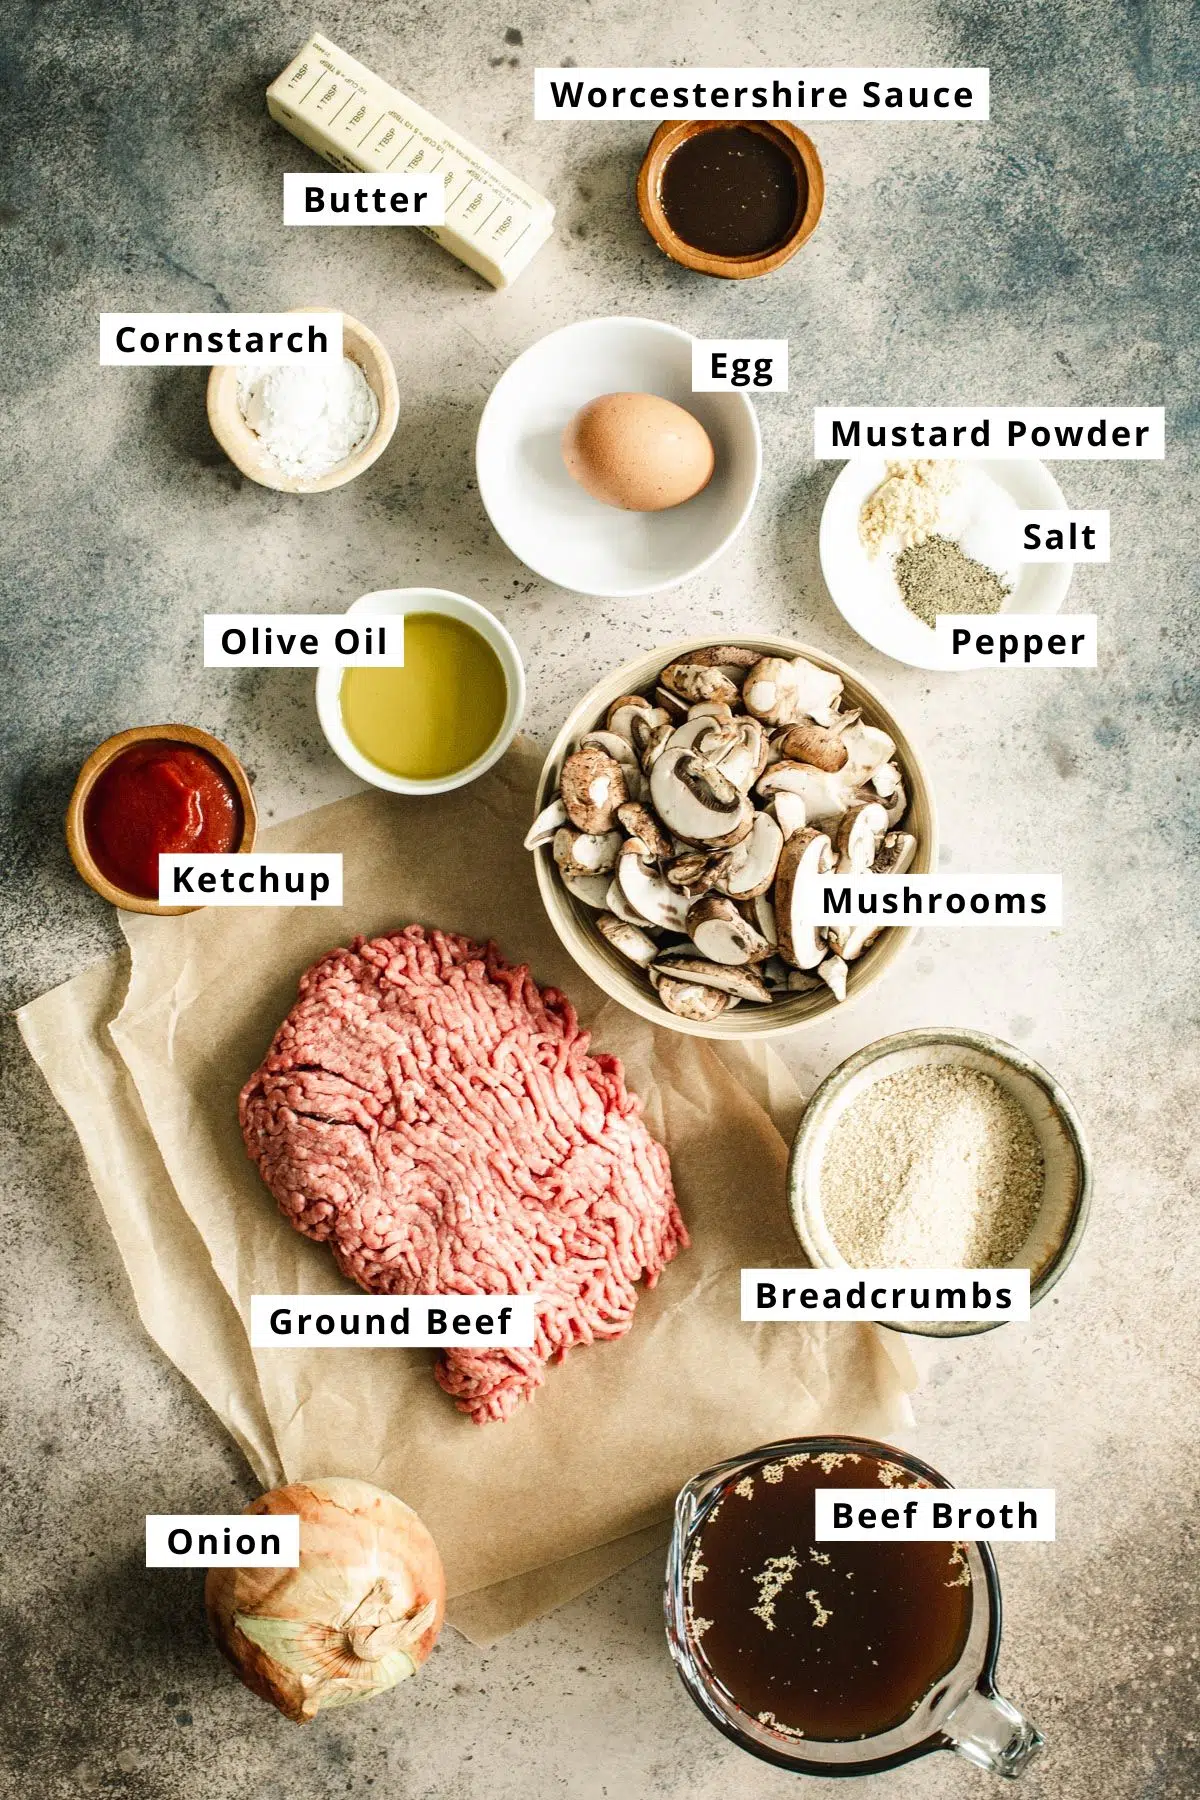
(733, 191)
(826, 1641)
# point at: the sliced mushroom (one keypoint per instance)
(640, 822)
(868, 751)
(744, 756)
(790, 812)
(586, 852)
(783, 691)
(711, 709)
(695, 801)
(755, 859)
(643, 724)
(689, 1000)
(612, 743)
(897, 805)
(805, 855)
(761, 911)
(593, 786)
(825, 797)
(591, 889)
(719, 741)
(733, 658)
(646, 891)
(621, 751)
(621, 714)
(698, 729)
(619, 906)
(674, 707)
(859, 836)
(769, 691)
(722, 935)
(697, 872)
(833, 973)
(817, 745)
(895, 854)
(676, 947)
(851, 939)
(695, 681)
(745, 983)
(629, 941)
(692, 681)
(818, 691)
(655, 744)
(546, 824)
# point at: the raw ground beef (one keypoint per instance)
(434, 1116)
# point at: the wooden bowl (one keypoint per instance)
(244, 448)
(802, 152)
(94, 767)
(575, 923)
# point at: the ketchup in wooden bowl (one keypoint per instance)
(150, 793)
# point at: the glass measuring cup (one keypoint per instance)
(962, 1712)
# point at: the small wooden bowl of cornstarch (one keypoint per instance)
(941, 1148)
(251, 454)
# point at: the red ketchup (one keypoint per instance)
(158, 798)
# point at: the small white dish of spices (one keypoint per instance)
(902, 542)
(941, 1148)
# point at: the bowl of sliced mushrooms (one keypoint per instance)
(683, 803)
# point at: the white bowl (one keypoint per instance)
(452, 606)
(862, 587)
(548, 520)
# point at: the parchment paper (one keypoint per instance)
(577, 1484)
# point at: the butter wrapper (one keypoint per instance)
(495, 223)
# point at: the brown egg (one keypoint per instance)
(638, 452)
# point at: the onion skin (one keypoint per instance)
(360, 1547)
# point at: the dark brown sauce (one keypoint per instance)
(823, 1641)
(732, 191)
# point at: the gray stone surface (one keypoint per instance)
(1041, 257)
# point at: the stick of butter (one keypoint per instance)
(494, 223)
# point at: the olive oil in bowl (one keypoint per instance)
(438, 714)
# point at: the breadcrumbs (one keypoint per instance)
(936, 1167)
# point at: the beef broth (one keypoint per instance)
(826, 1641)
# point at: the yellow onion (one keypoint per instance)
(362, 1611)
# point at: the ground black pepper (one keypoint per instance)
(937, 576)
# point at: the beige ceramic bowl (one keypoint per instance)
(243, 447)
(95, 766)
(574, 922)
(1060, 1220)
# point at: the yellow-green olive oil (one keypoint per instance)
(437, 714)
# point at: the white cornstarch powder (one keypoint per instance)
(310, 416)
(933, 1168)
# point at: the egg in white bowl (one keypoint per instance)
(547, 516)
